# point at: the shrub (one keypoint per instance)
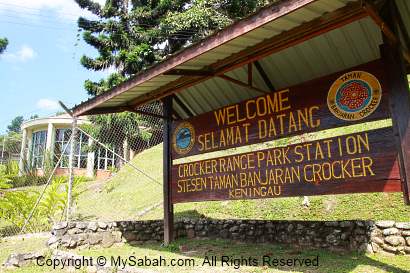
(15, 206)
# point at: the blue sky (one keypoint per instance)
(41, 64)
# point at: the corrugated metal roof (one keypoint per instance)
(344, 47)
(351, 45)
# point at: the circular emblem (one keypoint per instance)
(354, 95)
(183, 138)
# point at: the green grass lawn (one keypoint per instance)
(198, 249)
(21, 245)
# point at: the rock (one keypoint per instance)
(405, 233)
(384, 224)
(407, 249)
(332, 224)
(389, 248)
(130, 236)
(81, 225)
(407, 240)
(268, 225)
(344, 236)
(377, 240)
(360, 231)
(395, 240)
(74, 231)
(375, 247)
(234, 229)
(92, 226)
(390, 231)
(117, 235)
(52, 240)
(102, 225)
(369, 248)
(403, 225)
(346, 224)
(107, 240)
(94, 239)
(19, 260)
(331, 239)
(60, 225)
(376, 233)
(190, 233)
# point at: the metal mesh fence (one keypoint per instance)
(114, 160)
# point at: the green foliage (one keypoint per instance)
(15, 125)
(3, 44)
(27, 180)
(15, 206)
(4, 178)
(132, 35)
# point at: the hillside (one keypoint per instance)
(129, 192)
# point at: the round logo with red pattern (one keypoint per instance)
(354, 95)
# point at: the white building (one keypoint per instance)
(46, 138)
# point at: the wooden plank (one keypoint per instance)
(360, 162)
(167, 162)
(264, 76)
(300, 109)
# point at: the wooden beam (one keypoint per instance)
(189, 72)
(238, 82)
(167, 164)
(390, 36)
(183, 106)
(264, 76)
(119, 109)
(292, 37)
(250, 74)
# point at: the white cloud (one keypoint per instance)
(64, 9)
(47, 104)
(24, 54)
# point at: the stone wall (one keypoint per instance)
(382, 236)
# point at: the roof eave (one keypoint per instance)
(237, 29)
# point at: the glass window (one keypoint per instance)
(38, 148)
(80, 154)
(105, 159)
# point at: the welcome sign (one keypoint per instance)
(359, 162)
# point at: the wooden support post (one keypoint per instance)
(167, 161)
(250, 74)
(399, 98)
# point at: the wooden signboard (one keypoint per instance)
(308, 107)
(362, 162)
(359, 162)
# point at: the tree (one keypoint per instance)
(3, 44)
(131, 35)
(15, 125)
